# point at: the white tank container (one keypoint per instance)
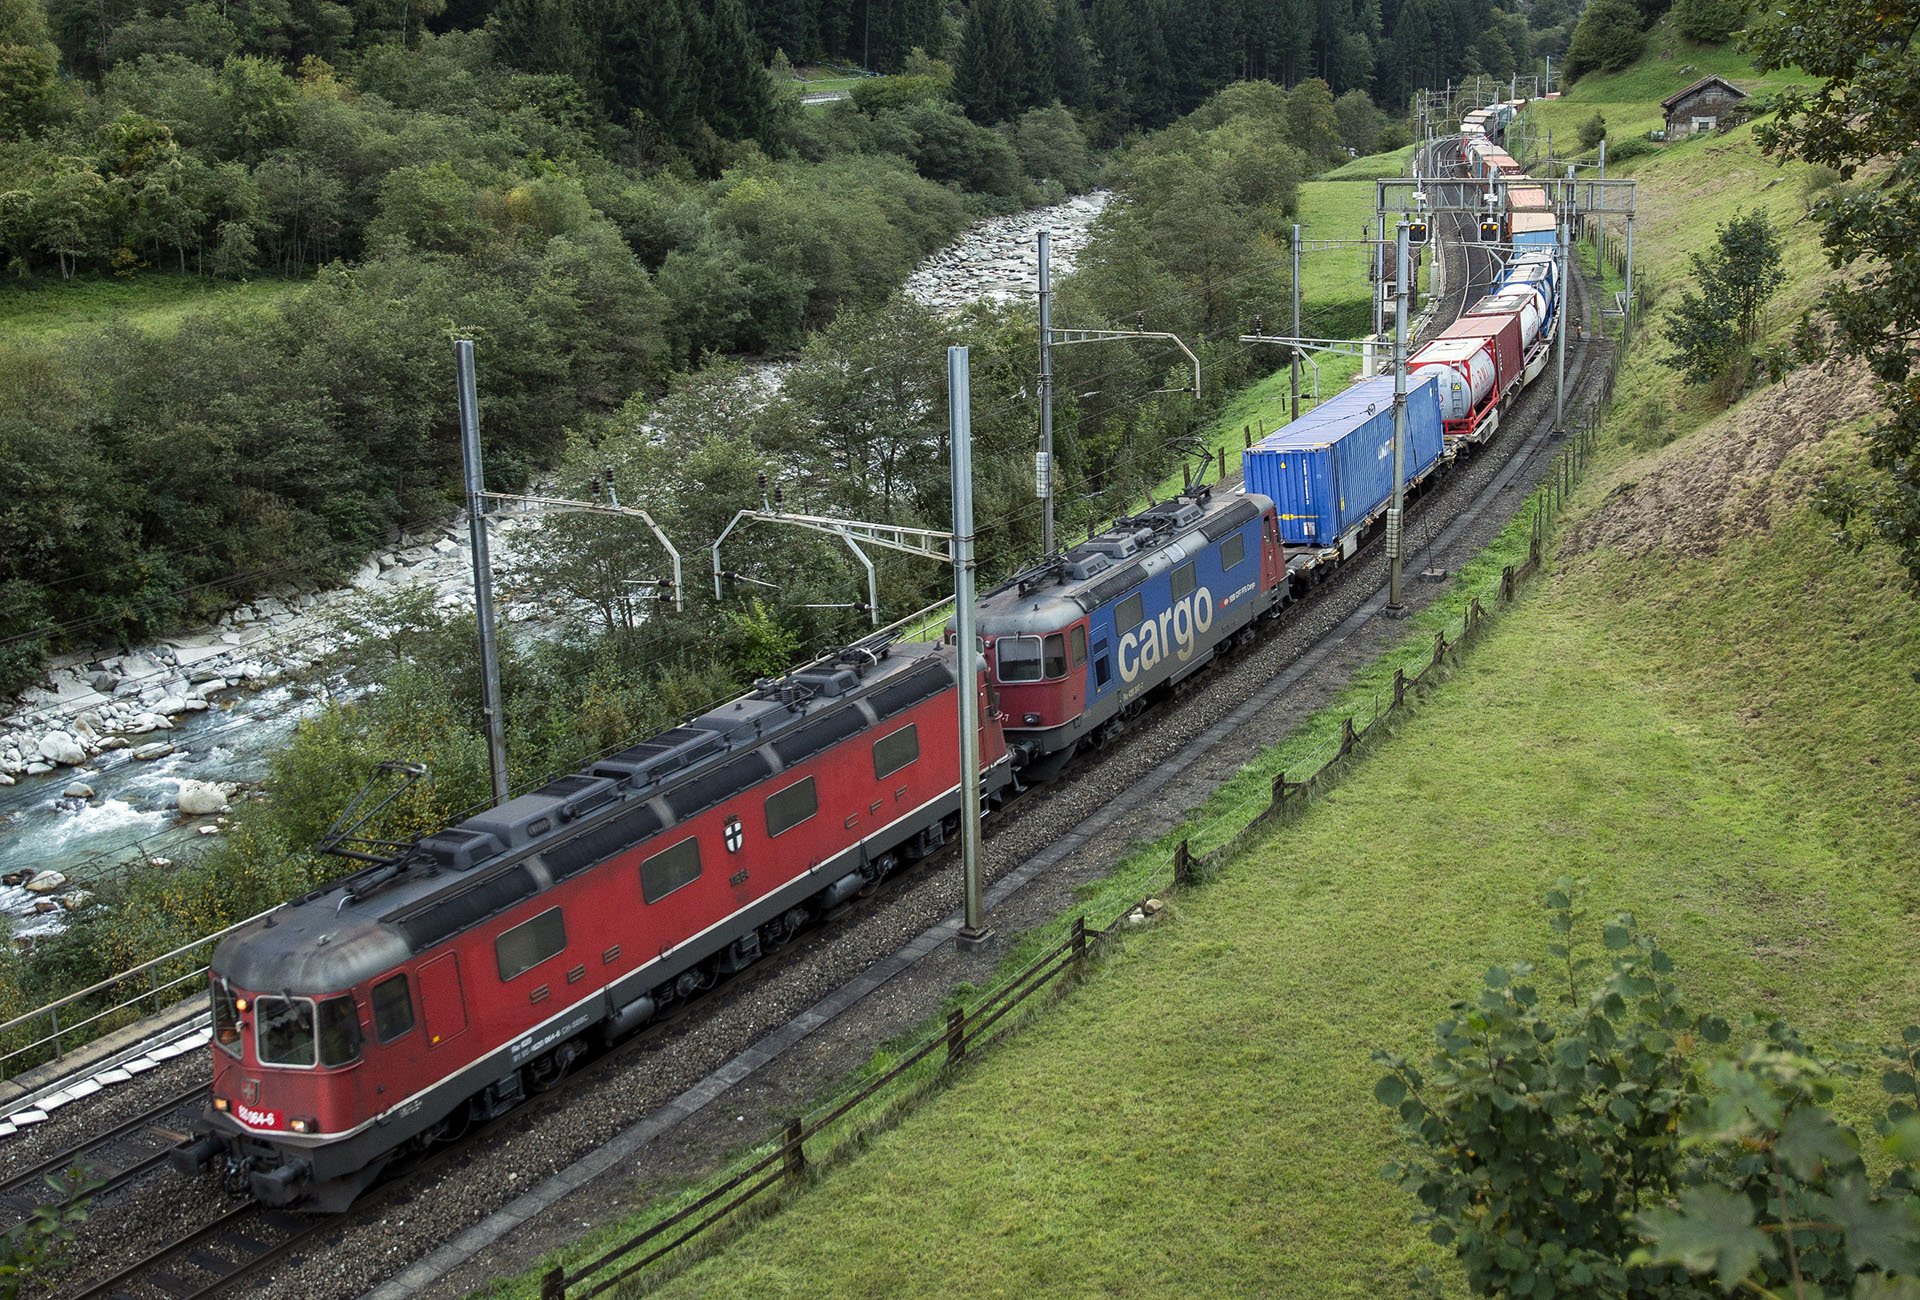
(1526, 302)
(1465, 367)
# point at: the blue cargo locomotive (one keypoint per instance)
(1077, 644)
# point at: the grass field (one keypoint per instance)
(1630, 99)
(51, 310)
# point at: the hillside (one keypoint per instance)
(1702, 708)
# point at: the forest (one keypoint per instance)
(605, 193)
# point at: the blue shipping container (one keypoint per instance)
(1331, 469)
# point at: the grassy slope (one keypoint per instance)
(1630, 99)
(50, 310)
(1719, 740)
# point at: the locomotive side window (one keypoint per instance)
(226, 1017)
(1079, 639)
(1233, 550)
(1019, 658)
(392, 1008)
(891, 753)
(665, 872)
(794, 804)
(1056, 656)
(1128, 613)
(339, 1032)
(283, 1031)
(530, 943)
(1183, 581)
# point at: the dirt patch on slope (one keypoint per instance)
(1722, 482)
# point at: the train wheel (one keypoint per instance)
(545, 1071)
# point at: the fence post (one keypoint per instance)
(1246, 431)
(54, 1015)
(1279, 788)
(1346, 736)
(1506, 589)
(956, 1035)
(553, 1285)
(796, 1163)
(1439, 646)
(1223, 464)
(1077, 943)
(1182, 863)
(1399, 687)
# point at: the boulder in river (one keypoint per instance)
(78, 790)
(201, 798)
(59, 747)
(158, 749)
(45, 882)
(142, 723)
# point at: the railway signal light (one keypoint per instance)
(1490, 231)
(1417, 232)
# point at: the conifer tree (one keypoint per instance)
(983, 71)
(1072, 74)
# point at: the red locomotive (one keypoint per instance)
(437, 988)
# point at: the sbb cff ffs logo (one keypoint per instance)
(1173, 633)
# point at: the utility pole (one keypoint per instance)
(1395, 609)
(1626, 319)
(469, 398)
(974, 932)
(1600, 228)
(1566, 303)
(1294, 387)
(1043, 459)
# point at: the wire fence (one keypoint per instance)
(1242, 813)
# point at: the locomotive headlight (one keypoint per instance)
(302, 1125)
(220, 1103)
(239, 1004)
(1031, 719)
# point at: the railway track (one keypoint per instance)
(247, 1239)
(103, 1161)
(211, 1258)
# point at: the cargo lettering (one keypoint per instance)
(1175, 633)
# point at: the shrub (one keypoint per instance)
(1709, 20)
(1593, 131)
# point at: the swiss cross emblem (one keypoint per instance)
(736, 835)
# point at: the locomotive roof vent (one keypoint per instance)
(1083, 563)
(1114, 545)
(666, 753)
(518, 822)
(827, 682)
(458, 848)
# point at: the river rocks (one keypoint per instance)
(158, 749)
(113, 742)
(141, 723)
(201, 798)
(45, 882)
(38, 766)
(171, 704)
(78, 899)
(104, 682)
(59, 747)
(8, 778)
(77, 790)
(1000, 258)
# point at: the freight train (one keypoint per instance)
(437, 988)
